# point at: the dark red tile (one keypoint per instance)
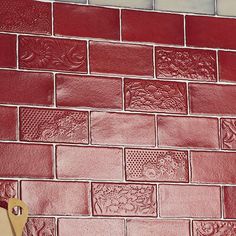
(50, 198)
(8, 189)
(33, 88)
(26, 160)
(26, 16)
(156, 165)
(88, 91)
(155, 96)
(7, 50)
(228, 133)
(152, 27)
(124, 59)
(53, 125)
(212, 32)
(86, 21)
(52, 54)
(122, 129)
(229, 202)
(188, 64)
(195, 132)
(189, 201)
(8, 121)
(113, 199)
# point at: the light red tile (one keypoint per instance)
(230, 202)
(8, 189)
(228, 132)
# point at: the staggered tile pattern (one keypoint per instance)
(119, 121)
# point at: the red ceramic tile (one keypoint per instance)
(229, 202)
(193, 132)
(221, 228)
(53, 125)
(189, 201)
(40, 226)
(26, 160)
(213, 167)
(8, 120)
(158, 227)
(52, 54)
(7, 50)
(8, 189)
(86, 21)
(91, 227)
(152, 27)
(88, 91)
(156, 165)
(211, 32)
(26, 16)
(33, 88)
(113, 199)
(155, 96)
(212, 99)
(117, 58)
(55, 198)
(122, 129)
(189, 64)
(89, 163)
(228, 133)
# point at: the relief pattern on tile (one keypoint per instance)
(155, 96)
(124, 199)
(53, 125)
(185, 64)
(156, 165)
(228, 130)
(7, 190)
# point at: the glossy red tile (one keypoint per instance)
(7, 50)
(91, 227)
(86, 21)
(195, 132)
(26, 160)
(156, 165)
(88, 91)
(158, 227)
(52, 54)
(53, 125)
(155, 96)
(212, 32)
(8, 122)
(122, 129)
(229, 202)
(26, 16)
(49, 198)
(124, 59)
(152, 27)
(213, 167)
(8, 189)
(189, 201)
(89, 163)
(228, 133)
(113, 199)
(32, 88)
(187, 64)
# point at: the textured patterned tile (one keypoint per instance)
(230, 202)
(8, 189)
(226, 7)
(228, 133)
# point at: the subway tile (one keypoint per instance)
(26, 160)
(77, 1)
(50, 197)
(229, 202)
(52, 54)
(122, 129)
(189, 201)
(53, 125)
(226, 7)
(186, 64)
(154, 27)
(89, 163)
(155, 96)
(117, 199)
(8, 189)
(156, 165)
(194, 132)
(228, 133)
(89, 91)
(31, 88)
(124, 59)
(86, 21)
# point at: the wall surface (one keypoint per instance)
(120, 120)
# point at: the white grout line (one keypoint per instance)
(88, 57)
(185, 37)
(17, 51)
(54, 91)
(54, 162)
(120, 22)
(123, 94)
(18, 124)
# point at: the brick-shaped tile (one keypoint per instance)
(8, 189)
(229, 202)
(228, 133)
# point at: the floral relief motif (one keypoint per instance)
(124, 199)
(155, 96)
(228, 127)
(7, 190)
(186, 64)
